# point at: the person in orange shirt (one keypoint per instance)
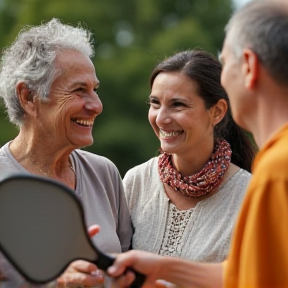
(255, 76)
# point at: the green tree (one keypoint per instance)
(131, 37)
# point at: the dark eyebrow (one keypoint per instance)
(172, 100)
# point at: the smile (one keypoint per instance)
(84, 122)
(170, 134)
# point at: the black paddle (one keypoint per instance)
(42, 229)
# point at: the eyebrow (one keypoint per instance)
(176, 99)
(82, 84)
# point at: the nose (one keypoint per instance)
(94, 104)
(163, 117)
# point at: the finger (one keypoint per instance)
(93, 230)
(160, 284)
(123, 281)
(94, 279)
(80, 280)
(120, 265)
(84, 266)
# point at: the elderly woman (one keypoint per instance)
(184, 202)
(49, 86)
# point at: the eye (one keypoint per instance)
(96, 90)
(178, 104)
(153, 102)
(79, 90)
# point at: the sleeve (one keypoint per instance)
(124, 229)
(259, 252)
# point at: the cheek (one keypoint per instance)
(152, 116)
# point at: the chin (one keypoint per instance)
(81, 144)
(167, 150)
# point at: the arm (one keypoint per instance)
(181, 272)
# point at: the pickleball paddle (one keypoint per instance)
(42, 229)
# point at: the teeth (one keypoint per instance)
(169, 134)
(84, 122)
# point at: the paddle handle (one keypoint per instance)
(104, 261)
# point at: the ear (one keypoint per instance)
(26, 98)
(218, 111)
(250, 68)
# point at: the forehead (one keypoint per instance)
(226, 49)
(75, 66)
(174, 85)
(173, 79)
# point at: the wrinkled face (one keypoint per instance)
(69, 115)
(178, 115)
(233, 82)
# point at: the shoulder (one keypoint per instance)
(271, 163)
(96, 160)
(237, 177)
(4, 151)
(235, 188)
(96, 165)
(142, 171)
(140, 181)
(242, 176)
(8, 164)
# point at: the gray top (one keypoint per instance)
(207, 233)
(99, 188)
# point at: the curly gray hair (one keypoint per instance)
(30, 59)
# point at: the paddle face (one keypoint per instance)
(42, 228)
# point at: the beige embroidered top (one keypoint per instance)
(200, 234)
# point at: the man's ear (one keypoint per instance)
(218, 111)
(26, 98)
(250, 68)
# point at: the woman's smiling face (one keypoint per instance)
(178, 115)
(73, 103)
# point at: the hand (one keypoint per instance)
(143, 262)
(82, 273)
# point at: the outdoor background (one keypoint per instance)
(131, 37)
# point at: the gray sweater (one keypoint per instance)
(99, 188)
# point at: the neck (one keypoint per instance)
(38, 160)
(268, 108)
(271, 116)
(193, 161)
(42, 171)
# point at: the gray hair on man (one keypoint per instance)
(262, 26)
(30, 59)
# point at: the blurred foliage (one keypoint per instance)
(131, 37)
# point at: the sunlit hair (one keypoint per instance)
(262, 26)
(205, 70)
(30, 59)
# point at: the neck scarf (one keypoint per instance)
(202, 183)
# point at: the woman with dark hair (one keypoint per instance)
(184, 202)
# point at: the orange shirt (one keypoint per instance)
(259, 249)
